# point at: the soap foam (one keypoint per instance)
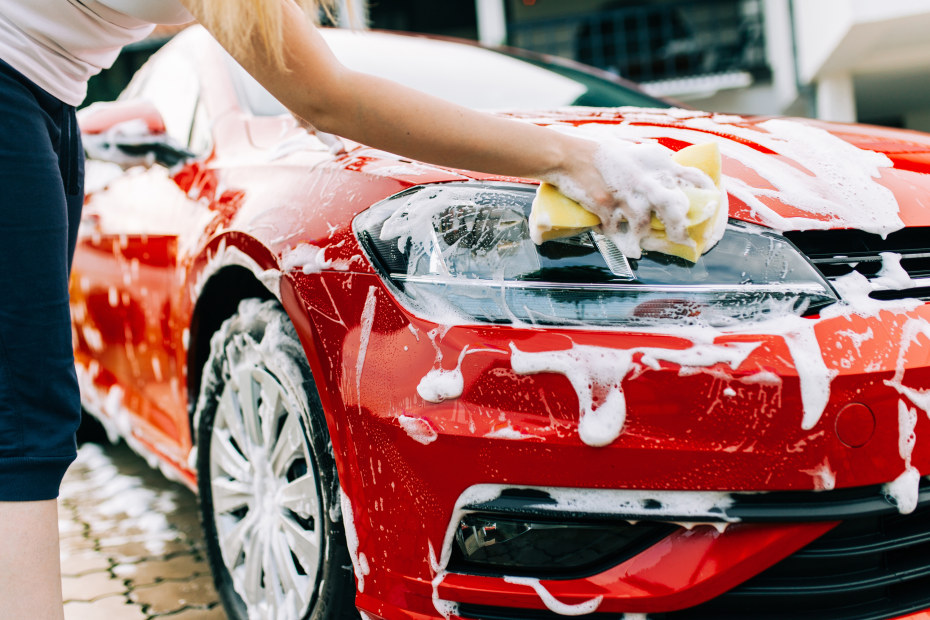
(905, 490)
(644, 181)
(834, 181)
(419, 429)
(359, 563)
(367, 320)
(553, 604)
(509, 432)
(912, 330)
(813, 375)
(856, 338)
(592, 368)
(823, 475)
(439, 385)
(586, 368)
(306, 258)
(892, 275)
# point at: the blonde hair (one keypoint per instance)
(243, 24)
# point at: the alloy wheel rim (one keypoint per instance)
(266, 494)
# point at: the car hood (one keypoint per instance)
(787, 173)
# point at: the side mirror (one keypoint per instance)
(128, 133)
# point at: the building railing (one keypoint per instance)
(657, 41)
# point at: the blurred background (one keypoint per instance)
(841, 60)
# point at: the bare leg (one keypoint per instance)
(30, 564)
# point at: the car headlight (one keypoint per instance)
(464, 249)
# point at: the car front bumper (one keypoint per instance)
(689, 428)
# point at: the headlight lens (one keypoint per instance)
(464, 249)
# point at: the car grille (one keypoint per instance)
(839, 252)
(870, 568)
(874, 565)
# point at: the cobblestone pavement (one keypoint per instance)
(131, 545)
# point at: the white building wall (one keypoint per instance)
(819, 28)
(843, 60)
(780, 44)
(492, 21)
(865, 59)
(836, 98)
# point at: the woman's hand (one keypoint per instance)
(578, 176)
(635, 189)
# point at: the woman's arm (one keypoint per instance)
(386, 115)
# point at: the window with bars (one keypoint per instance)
(656, 41)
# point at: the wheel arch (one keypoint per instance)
(218, 300)
(235, 267)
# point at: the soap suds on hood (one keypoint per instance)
(857, 338)
(509, 432)
(835, 181)
(439, 385)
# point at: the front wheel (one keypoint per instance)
(267, 478)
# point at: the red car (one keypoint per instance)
(388, 397)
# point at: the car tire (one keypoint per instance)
(269, 491)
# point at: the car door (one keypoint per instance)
(125, 278)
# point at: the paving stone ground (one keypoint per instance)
(131, 545)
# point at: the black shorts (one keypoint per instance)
(41, 192)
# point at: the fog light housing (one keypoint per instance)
(491, 544)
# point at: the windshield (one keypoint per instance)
(468, 75)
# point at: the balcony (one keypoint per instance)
(672, 48)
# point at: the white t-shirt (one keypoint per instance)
(60, 44)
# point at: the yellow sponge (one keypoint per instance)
(704, 157)
(554, 215)
(705, 207)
